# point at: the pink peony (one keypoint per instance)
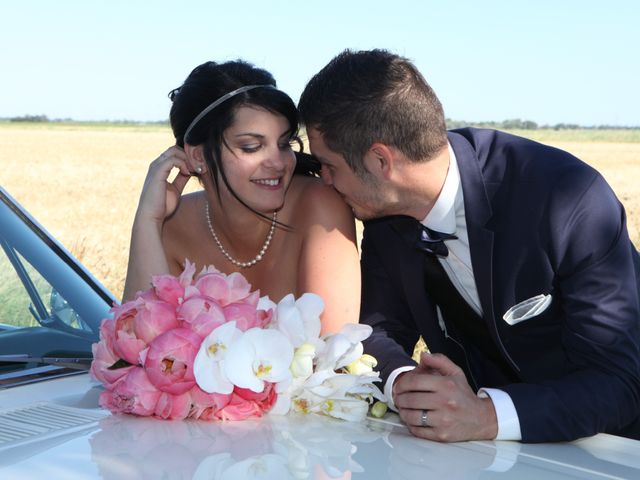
(204, 405)
(108, 333)
(238, 409)
(171, 289)
(154, 318)
(207, 270)
(203, 314)
(127, 345)
(173, 407)
(124, 309)
(245, 404)
(103, 358)
(168, 289)
(148, 296)
(240, 288)
(133, 394)
(264, 317)
(169, 361)
(225, 289)
(208, 414)
(213, 285)
(264, 400)
(252, 299)
(245, 315)
(186, 277)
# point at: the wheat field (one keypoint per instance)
(82, 182)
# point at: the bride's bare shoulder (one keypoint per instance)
(316, 203)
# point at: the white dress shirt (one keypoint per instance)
(447, 216)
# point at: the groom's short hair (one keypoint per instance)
(373, 96)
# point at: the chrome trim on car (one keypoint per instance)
(36, 374)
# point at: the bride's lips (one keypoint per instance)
(268, 183)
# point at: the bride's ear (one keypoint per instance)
(195, 158)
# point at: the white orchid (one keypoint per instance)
(365, 387)
(299, 319)
(344, 347)
(291, 395)
(282, 405)
(208, 365)
(356, 332)
(325, 390)
(287, 391)
(302, 365)
(351, 409)
(307, 403)
(329, 384)
(330, 375)
(362, 366)
(259, 356)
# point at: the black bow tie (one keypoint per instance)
(431, 241)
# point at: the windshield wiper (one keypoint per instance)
(76, 363)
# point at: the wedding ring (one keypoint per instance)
(423, 419)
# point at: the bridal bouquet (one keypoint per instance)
(208, 347)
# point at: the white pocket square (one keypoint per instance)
(527, 309)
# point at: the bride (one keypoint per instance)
(261, 211)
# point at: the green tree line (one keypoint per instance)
(519, 124)
(511, 124)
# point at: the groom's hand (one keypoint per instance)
(453, 411)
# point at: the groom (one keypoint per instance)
(510, 258)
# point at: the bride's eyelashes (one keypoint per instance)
(253, 148)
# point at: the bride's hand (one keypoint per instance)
(159, 197)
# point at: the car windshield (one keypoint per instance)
(49, 306)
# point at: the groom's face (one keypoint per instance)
(361, 193)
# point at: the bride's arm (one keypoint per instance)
(158, 200)
(146, 258)
(329, 262)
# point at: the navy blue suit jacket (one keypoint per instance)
(540, 221)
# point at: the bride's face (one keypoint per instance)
(257, 159)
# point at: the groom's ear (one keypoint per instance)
(380, 160)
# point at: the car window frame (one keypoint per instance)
(35, 372)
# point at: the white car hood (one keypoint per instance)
(55, 429)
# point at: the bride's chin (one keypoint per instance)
(268, 210)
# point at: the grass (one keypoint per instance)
(581, 135)
(82, 181)
(14, 300)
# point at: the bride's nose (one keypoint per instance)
(278, 158)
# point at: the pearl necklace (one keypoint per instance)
(257, 258)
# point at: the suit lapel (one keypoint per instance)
(413, 280)
(477, 213)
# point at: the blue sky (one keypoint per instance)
(560, 61)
